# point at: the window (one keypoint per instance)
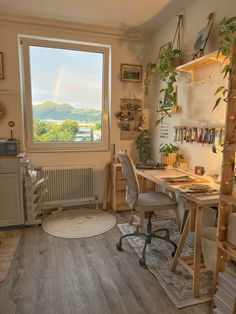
(66, 92)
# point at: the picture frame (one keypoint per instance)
(202, 37)
(130, 72)
(1, 66)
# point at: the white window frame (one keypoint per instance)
(24, 43)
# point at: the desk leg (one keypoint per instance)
(197, 252)
(181, 243)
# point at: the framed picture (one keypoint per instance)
(130, 72)
(202, 37)
(165, 46)
(1, 66)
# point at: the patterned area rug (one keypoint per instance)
(178, 285)
(78, 223)
(10, 240)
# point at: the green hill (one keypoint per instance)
(51, 110)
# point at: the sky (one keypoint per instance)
(66, 76)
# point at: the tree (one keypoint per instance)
(70, 126)
(98, 125)
(41, 127)
(52, 132)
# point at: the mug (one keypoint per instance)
(199, 170)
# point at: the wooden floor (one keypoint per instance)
(76, 276)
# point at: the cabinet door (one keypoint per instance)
(10, 204)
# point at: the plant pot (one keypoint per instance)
(176, 61)
(143, 156)
(168, 158)
(174, 108)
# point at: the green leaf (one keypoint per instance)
(225, 92)
(213, 148)
(216, 103)
(219, 89)
(230, 20)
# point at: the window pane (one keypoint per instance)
(67, 95)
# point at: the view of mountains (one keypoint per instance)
(51, 110)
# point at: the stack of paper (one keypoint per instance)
(225, 297)
(179, 179)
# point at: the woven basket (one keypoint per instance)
(168, 158)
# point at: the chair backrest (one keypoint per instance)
(129, 174)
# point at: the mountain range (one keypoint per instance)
(51, 110)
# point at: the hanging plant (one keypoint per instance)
(168, 60)
(227, 40)
(168, 76)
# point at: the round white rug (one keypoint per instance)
(78, 223)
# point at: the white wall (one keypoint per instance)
(196, 100)
(123, 51)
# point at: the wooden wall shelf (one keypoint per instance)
(199, 63)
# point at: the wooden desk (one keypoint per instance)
(194, 204)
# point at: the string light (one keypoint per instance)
(201, 81)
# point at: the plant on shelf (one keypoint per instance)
(143, 145)
(227, 40)
(169, 153)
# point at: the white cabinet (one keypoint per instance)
(11, 191)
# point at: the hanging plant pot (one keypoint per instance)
(176, 61)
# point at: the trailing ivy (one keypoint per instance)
(168, 75)
(227, 36)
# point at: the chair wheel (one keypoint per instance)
(142, 262)
(119, 246)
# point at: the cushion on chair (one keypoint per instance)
(153, 200)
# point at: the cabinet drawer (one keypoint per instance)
(121, 186)
(119, 175)
(9, 165)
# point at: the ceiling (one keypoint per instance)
(123, 14)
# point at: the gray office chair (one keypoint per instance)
(146, 203)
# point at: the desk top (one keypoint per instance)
(202, 199)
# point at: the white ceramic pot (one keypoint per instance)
(209, 246)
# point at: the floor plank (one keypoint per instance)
(68, 276)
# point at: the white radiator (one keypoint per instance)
(68, 185)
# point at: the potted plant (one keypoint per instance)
(168, 60)
(169, 153)
(143, 145)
